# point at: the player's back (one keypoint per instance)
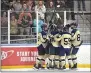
(53, 38)
(76, 40)
(65, 40)
(42, 37)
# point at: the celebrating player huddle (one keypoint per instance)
(58, 46)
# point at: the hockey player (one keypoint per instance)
(54, 49)
(65, 48)
(42, 50)
(76, 42)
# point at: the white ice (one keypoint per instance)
(30, 69)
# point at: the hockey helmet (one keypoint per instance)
(44, 26)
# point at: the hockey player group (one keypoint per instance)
(58, 46)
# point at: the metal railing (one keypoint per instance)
(84, 25)
(18, 38)
(7, 38)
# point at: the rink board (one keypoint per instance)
(20, 57)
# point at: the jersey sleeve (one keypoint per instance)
(73, 36)
(57, 37)
(41, 38)
(48, 35)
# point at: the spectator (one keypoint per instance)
(17, 8)
(25, 20)
(12, 11)
(4, 4)
(12, 3)
(25, 8)
(30, 4)
(50, 5)
(17, 5)
(50, 11)
(60, 5)
(41, 10)
(13, 25)
(40, 23)
(4, 20)
(4, 25)
(83, 5)
(70, 6)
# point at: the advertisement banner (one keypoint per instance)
(18, 56)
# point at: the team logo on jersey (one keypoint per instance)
(5, 55)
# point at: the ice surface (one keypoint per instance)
(46, 70)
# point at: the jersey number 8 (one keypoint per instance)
(78, 37)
